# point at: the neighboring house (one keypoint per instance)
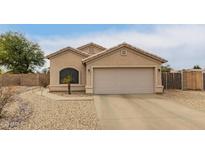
(122, 69)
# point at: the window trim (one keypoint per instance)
(72, 68)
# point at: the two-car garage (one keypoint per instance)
(123, 80)
(123, 69)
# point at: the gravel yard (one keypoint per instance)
(17, 111)
(50, 114)
(77, 94)
(191, 99)
(31, 110)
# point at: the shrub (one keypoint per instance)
(44, 83)
(166, 68)
(44, 80)
(5, 98)
(196, 67)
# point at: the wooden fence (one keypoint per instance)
(192, 80)
(185, 80)
(30, 79)
(204, 81)
(172, 80)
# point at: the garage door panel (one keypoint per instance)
(123, 80)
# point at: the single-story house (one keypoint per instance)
(123, 69)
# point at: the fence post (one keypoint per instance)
(0, 80)
(173, 83)
(38, 80)
(166, 80)
(202, 80)
(20, 78)
(3, 83)
(182, 80)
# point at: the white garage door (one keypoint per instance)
(123, 80)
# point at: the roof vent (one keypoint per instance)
(123, 52)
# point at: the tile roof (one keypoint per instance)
(92, 57)
(91, 44)
(105, 51)
(66, 49)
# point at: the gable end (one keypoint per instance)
(138, 50)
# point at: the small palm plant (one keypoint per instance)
(67, 80)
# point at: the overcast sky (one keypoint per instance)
(182, 45)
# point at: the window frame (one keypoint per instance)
(73, 69)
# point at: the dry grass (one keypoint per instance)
(16, 110)
(5, 98)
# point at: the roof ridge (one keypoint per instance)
(91, 43)
(120, 45)
(65, 49)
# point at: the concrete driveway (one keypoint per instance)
(146, 112)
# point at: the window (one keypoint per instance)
(69, 71)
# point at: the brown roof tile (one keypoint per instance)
(66, 49)
(90, 44)
(92, 57)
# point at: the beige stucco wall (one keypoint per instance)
(64, 60)
(91, 49)
(115, 59)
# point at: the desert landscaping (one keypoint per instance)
(191, 99)
(43, 113)
(31, 108)
(94, 87)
